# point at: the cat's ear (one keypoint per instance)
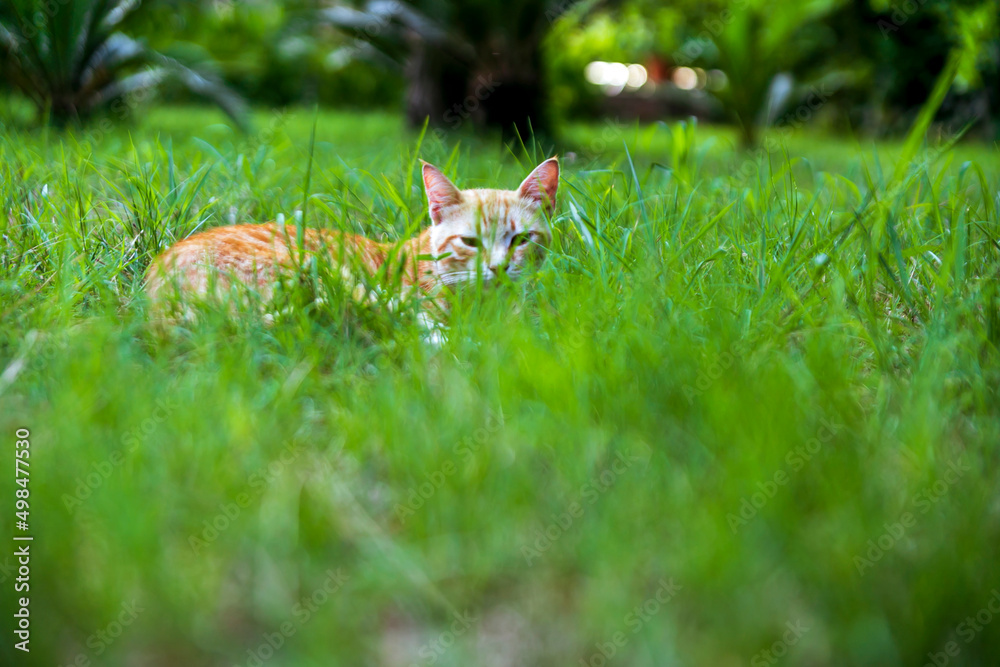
(441, 193)
(540, 186)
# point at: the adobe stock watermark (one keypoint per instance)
(779, 649)
(44, 12)
(461, 112)
(375, 27)
(796, 459)
(967, 631)
(708, 376)
(607, 316)
(612, 131)
(555, 12)
(693, 48)
(265, 136)
(922, 503)
(416, 496)
(30, 359)
(634, 622)
(901, 13)
(257, 482)
(930, 155)
(7, 568)
(816, 97)
(101, 640)
(99, 472)
(590, 492)
(120, 110)
(433, 650)
(302, 612)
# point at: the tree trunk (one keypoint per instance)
(517, 103)
(504, 91)
(437, 83)
(62, 111)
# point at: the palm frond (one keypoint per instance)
(8, 38)
(71, 61)
(387, 24)
(117, 14)
(117, 51)
(209, 87)
(129, 85)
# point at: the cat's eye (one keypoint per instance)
(470, 241)
(520, 239)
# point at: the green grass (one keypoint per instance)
(788, 356)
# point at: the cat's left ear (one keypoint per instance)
(540, 186)
(441, 193)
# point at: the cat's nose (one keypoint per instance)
(497, 269)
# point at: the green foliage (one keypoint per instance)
(70, 59)
(585, 33)
(261, 49)
(976, 31)
(754, 376)
(757, 45)
(750, 41)
(874, 63)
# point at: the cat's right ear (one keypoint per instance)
(441, 193)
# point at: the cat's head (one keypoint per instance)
(489, 232)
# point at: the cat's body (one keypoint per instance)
(475, 234)
(256, 256)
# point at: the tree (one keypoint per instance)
(475, 60)
(889, 53)
(752, 41)
(70, 59)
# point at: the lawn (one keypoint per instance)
(746, 412)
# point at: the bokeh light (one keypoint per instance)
(685, 78)
(615, 77)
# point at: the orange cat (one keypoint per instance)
(473, 233)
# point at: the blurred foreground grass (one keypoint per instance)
(739, 417)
